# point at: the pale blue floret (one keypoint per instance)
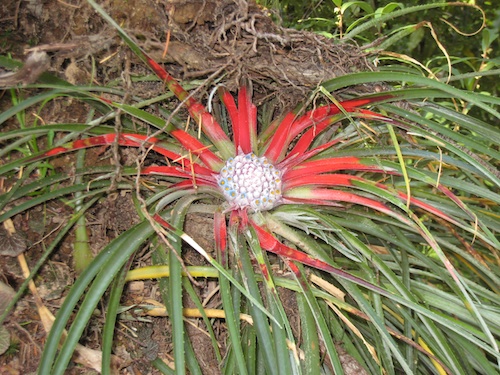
(248, 181)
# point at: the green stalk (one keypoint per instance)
(281, 330)
(82, 253)
(175, 290)
(322, 327)
(159, 271)
(401, 163)
(162, 366)
(392, 15)
(111, 316)
(310, 338)
(265, 343)
(233, 324)
(100, 273)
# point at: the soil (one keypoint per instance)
(215, 41)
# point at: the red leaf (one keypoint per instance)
(320, 180)
(163, 223)
(194, 146)
(220, 233)
(201, 173)
(290, 127)
(232, 110)
(331, 197)
(213, 131)
(210, 126)
(294, 159)
(317, 128)
(306, 139)
(269, 243)
(133, 140)
(138, 140)
(327, 165)
(276, 147)
(244, 123)
(243, 118)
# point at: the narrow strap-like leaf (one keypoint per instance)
(331, 197)
(276, 148)
(244, 122)
(328, 165)
(195, 147)
(232, 110)
(210, 126)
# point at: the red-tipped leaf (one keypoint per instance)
(197, 148)
(247, 120)
(328, 165)
(220, 234)
(232, 110)
(332, 197)
(276, 149)
(201, 173)
(210, 126)
(270, 243)
(132, 140)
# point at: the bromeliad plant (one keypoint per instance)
(296, 188)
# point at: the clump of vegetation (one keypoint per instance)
(356, 233)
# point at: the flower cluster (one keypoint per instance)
(248, 181)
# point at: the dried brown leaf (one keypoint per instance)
(11, 244)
